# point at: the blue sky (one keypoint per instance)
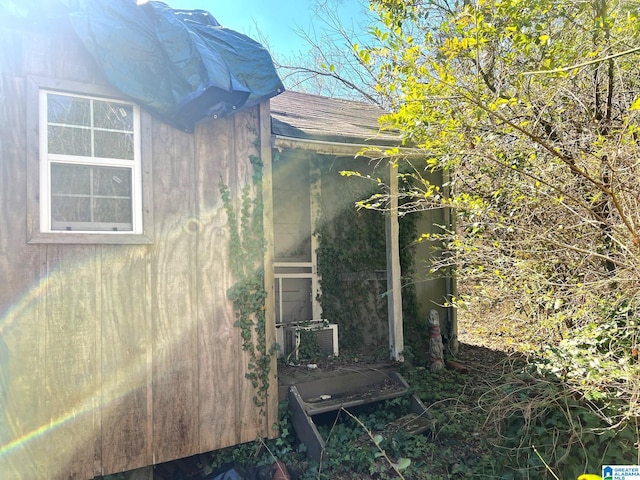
(277, 20)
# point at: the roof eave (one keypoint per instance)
(327, 147)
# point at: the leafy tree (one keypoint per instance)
(532, 109)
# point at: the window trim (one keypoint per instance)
(48, 159)
(37, 224)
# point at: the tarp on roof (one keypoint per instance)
(181, 64)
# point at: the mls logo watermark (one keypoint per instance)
(621, 472)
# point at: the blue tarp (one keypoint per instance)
(181, 64)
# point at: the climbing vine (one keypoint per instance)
(352, 260)
(246, 255)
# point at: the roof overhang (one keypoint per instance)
(342, 149)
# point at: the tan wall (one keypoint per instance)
(118, 356)
(431, 288)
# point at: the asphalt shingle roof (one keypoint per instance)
(313, 117)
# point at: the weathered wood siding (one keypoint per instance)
(114, 357)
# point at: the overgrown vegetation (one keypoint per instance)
(361, 444)
(351, 257)
(482, 426)
(352, 261)
(531, 109)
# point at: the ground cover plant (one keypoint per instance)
(505, 418)
(508, 416)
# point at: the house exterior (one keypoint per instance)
(120, 346)
(315, 139)
(117, 340)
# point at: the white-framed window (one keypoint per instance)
(90, 164)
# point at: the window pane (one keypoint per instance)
(113, 116)
(70, 179)
(70, 209)
(90, 195)
(112, 210)
(70, 141)
(113, 182)
(68, 110)
(114, 145)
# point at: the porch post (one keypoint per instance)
(315, 192)
(394, 293)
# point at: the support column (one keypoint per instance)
(394, 275)
(315, 193)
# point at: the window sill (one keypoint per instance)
(82, 238)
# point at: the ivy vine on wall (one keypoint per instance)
(246, 256)
(352, 259)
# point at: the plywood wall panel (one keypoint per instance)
(124, 362)
(217, 336)
(71, 389)
(174, 332)
(59, 56)
(264, 137)
(21, 415)
(10, 52)
(245, 146)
